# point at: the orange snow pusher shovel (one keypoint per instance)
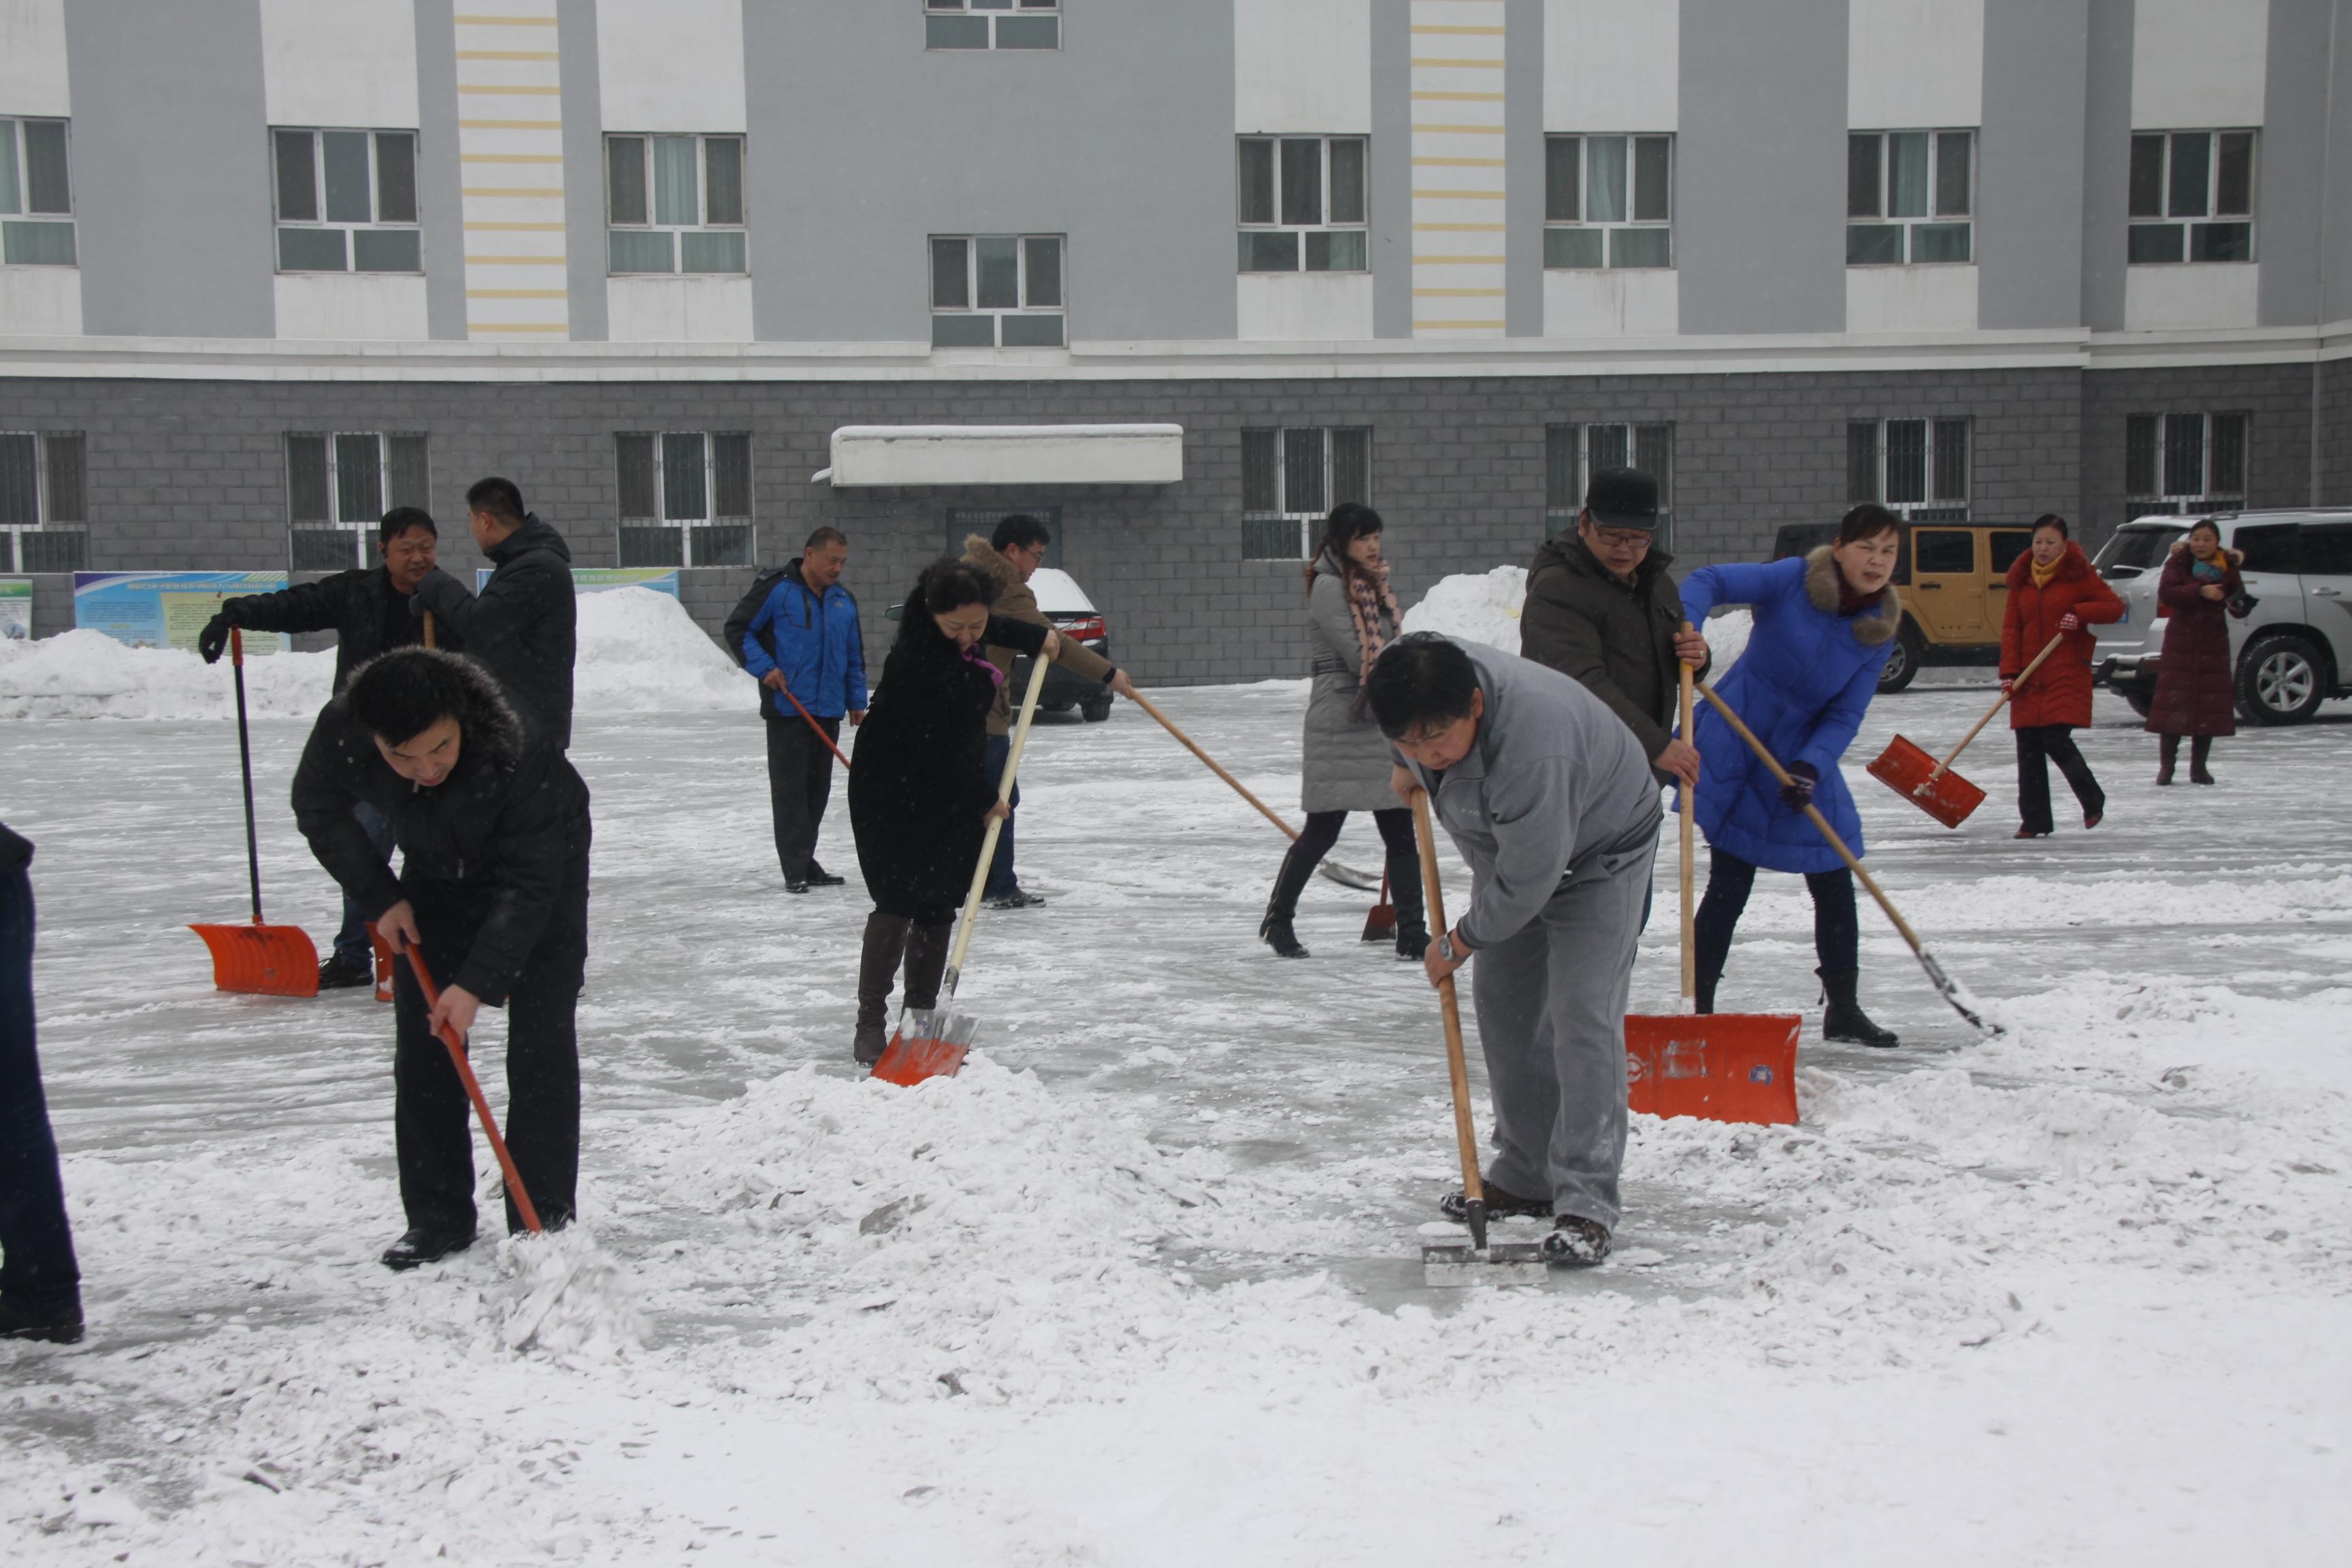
(1719, 1067)
(1931, 786)
(455, 1044)
(267, 960)
(930, 1042)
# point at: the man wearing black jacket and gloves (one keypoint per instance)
(492, 824)
(367, 609)
(524, 624)
(40, 1284)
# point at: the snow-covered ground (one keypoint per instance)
(1140, 1287)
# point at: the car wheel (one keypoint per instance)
(2281, 680)
(1095, 709)
(1903, 664)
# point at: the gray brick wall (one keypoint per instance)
(2335, 433)
(2277, 399)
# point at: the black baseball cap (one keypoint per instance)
(1622, 497)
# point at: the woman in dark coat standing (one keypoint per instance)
(919, 794)
(2193, 695)
(1346, 761)
(2052, 593)
(1824, 627)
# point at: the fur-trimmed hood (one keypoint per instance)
(493, 731)
(1822, 581)
(2072, 567)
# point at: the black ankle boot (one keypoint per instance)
(1844, 1020)
(877, 971)
(1276, 933)
(1289, 883)
(2199, 748)
(1404, 895)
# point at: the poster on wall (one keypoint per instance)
(15, 609)
(596, 579)
(168, 609)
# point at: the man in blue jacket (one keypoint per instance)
(802, 644)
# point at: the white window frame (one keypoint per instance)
(2207, 222)
(699, 537)
(1325, 244)
(973, 24)
(1935, 502)
(2164, 429)
(727, 250)
(1574, 238)
(403, 478)
(25, 231)
(1289, 529)
(349, 231)
(1568, 460)
(957, 326)
(50, 447)
(1948, 213)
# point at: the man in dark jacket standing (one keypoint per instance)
(1602, 610)
(524, 624)
(40, 1285)
(803, 643)
(367, 609)
(493, 827)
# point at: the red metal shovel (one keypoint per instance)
(1931, 786)
(265, 960)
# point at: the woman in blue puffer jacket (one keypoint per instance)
(1824, 627)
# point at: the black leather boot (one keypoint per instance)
(877, 971)
(1843, 1019)
(1405, 896)
(1289, 883)
(2167, 754)
(2199, 748)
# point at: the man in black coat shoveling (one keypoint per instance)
(492, 824)
(524, 624)
(367, 609)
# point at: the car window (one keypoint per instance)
(1797, 538)
(2269, 547)
(2008, 545)
(2144, 548)
(2327, 549)
(1944, 550)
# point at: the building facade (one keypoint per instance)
(271, 265)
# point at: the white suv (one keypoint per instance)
(2293, 653)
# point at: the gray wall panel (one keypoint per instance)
(863, 142)
(2030, 181)
(439, 174)
(584, 169)
(2291, 205)
(1392, 153)
(2336, 254)
(2106, 163)
(1760, 217)
(1523, 170)
(171, 168)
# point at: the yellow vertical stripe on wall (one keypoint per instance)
(526, 75)
(1449, 95)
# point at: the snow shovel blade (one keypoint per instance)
(1379, 925)
(1717, 1067)
(1455, 1262)
(262, 960)
(1348, 876)
(1911, 773)
(931, 1043)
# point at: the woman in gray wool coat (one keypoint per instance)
(1350, 616)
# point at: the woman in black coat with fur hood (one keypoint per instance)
(919, 794)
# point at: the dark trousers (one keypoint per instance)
(1402, 861)
(800, 782)
(38, 1273)
(2037, 747)
(351, 939)
(541, 1120)
(1837, 931)
(1002, 877)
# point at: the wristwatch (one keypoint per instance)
(1445, 949)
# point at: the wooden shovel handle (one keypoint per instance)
(1433, 892)
(971, 916)
(2023, 676)
(431, 638)
(1140, 701)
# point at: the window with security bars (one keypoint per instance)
(2192, 196)
(44, 503)
(686, 498)
(1291, 479)
(1574, 453)
(1909, 195)
(347, 201)
(1608, 201)
(338, 488)
(996, 290)
(992, 24)
(674, 203)
(35, 195)
(1302, 204)
(1916, 468)
(2177, 463)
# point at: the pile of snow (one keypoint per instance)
(640, 652)
(1485, 607)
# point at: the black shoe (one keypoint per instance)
(1578, 1242)
(1276, 933)
(1016, 900)
(817, 876)
(1412, 942)
(1500, 1204)
(2034, 832)
(1843, 1019)
(342, 973)
(2093, 818)
(422, 1246)
(59, 1326)
(796, 885)
(2198, 775)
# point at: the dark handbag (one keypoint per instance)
(2241, 605)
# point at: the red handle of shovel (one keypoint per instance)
(457, 1046)
(813, 724)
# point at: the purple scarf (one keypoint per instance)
(974, 655)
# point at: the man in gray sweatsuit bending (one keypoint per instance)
(1549, 798)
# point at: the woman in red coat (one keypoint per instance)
(2193, 695)
(2052, 593)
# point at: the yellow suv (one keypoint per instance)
(1954, 583)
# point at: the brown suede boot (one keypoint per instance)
(877, 968)
(927, 960)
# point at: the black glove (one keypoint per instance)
(1798, 792)
(214, 638)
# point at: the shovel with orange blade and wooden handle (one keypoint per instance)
(1931, 786)
(1719, 1067)
(259, 958)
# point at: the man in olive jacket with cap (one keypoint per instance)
(1602, 610)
